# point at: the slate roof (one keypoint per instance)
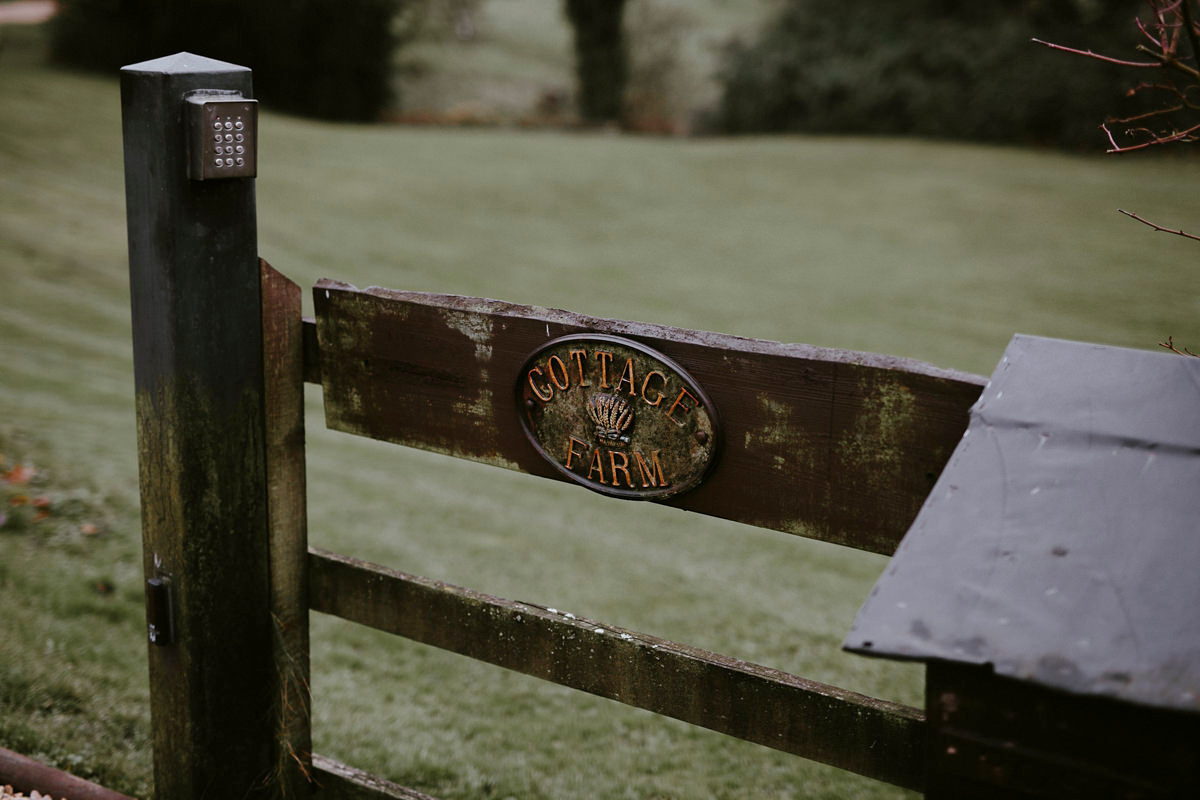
(1061, 543)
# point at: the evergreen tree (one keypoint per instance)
(323, 58)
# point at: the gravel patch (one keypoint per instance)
(6, 793)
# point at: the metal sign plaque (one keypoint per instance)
(617, 417)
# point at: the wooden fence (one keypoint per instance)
(841, 447)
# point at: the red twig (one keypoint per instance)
(1158, 112)
(1145, 221)
(1117, 148)
(1169, 87)
(1170, 345)
(1161, 27)
(1098, 56)
(1176, 136)
(1166, 58)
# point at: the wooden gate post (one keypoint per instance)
(198, 372)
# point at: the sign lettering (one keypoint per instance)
(616, 416)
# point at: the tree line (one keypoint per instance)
(331, 59)
(939, 68)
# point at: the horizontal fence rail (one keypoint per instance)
(337, 781)
(25, 776)
(829, 444)
(871, 737)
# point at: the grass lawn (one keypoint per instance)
(929, 250)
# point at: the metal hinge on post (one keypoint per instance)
(160, 612)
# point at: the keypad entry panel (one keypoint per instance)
(223, 137)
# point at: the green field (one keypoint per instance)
(929, 250)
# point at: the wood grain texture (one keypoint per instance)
(998, 738)
(862, 734)
(198, 374)
(283, 383)
(830, 444)
(336, 781)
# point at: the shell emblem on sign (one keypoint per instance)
(617, 417)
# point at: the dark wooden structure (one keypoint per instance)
(838, 446)
(202, 443)
(1050, 582)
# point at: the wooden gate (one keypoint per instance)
(837, 446)
(439, 372)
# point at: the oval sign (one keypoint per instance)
(617, 417)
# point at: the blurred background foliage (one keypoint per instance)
(929, 68)
(323, 58)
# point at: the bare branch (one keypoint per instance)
(1144, 221)
(1172, 88)
(1186, 135)
(1099, 57)
(1148, 114)
(1166, 58)
(1170, 345)
(1171, 117)
(1189, 27)
(1116, 148)
(1161, 38)
(1152, 139)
